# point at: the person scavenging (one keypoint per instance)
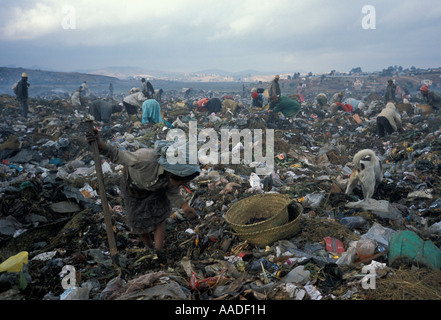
(430, 97)
(389, 120)
(149, 187)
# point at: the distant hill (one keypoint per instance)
(11, 75)
(41, 80)
(125, 78)
(208, 75)
(122, 79)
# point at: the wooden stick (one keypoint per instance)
(103, 196)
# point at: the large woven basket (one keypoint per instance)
(268, 236)
(271, 208)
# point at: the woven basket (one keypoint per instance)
(268, 236)
(271, 206)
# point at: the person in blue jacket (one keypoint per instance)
(151, 112)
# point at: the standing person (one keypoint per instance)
(432, 98)
(150, 187)
(274, 91)
(388, 120)
(147, 89)
(390, 91)
(111, 90)
(300, 92)
(76, 98)
(85, 89)
(158, 95)
(23, 94)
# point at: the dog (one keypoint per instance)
(368, 172)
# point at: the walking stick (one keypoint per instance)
(103, 196)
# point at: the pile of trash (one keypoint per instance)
(54, 246)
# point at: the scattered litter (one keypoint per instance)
(289, 234)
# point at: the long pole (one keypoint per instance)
(103, 196)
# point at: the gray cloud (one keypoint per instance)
(191, 35)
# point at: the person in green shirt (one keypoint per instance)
(285, 105)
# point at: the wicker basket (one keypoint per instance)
(271, 206)
(268, 236)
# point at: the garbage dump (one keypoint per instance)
(290, 234)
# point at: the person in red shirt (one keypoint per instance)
(345, 107)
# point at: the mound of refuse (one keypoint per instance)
(53, 240)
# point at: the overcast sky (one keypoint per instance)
(233, 35)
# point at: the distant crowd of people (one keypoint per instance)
(147, 100)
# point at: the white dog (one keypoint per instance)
(368, 172)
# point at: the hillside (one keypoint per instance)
(10, 75)
(67, 82)
(48, 80)
(208, 75)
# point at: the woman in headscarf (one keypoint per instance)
(149, 187)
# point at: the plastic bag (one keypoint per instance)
(197, 284)
(380, 234)
(313, 200)
(348, 258)
(15, 263)
(75, 293)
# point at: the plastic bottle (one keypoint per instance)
(353, 222)
(298, 275)
(365, 248)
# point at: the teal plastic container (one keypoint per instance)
(406, 246)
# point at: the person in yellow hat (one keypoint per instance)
(23, 94)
